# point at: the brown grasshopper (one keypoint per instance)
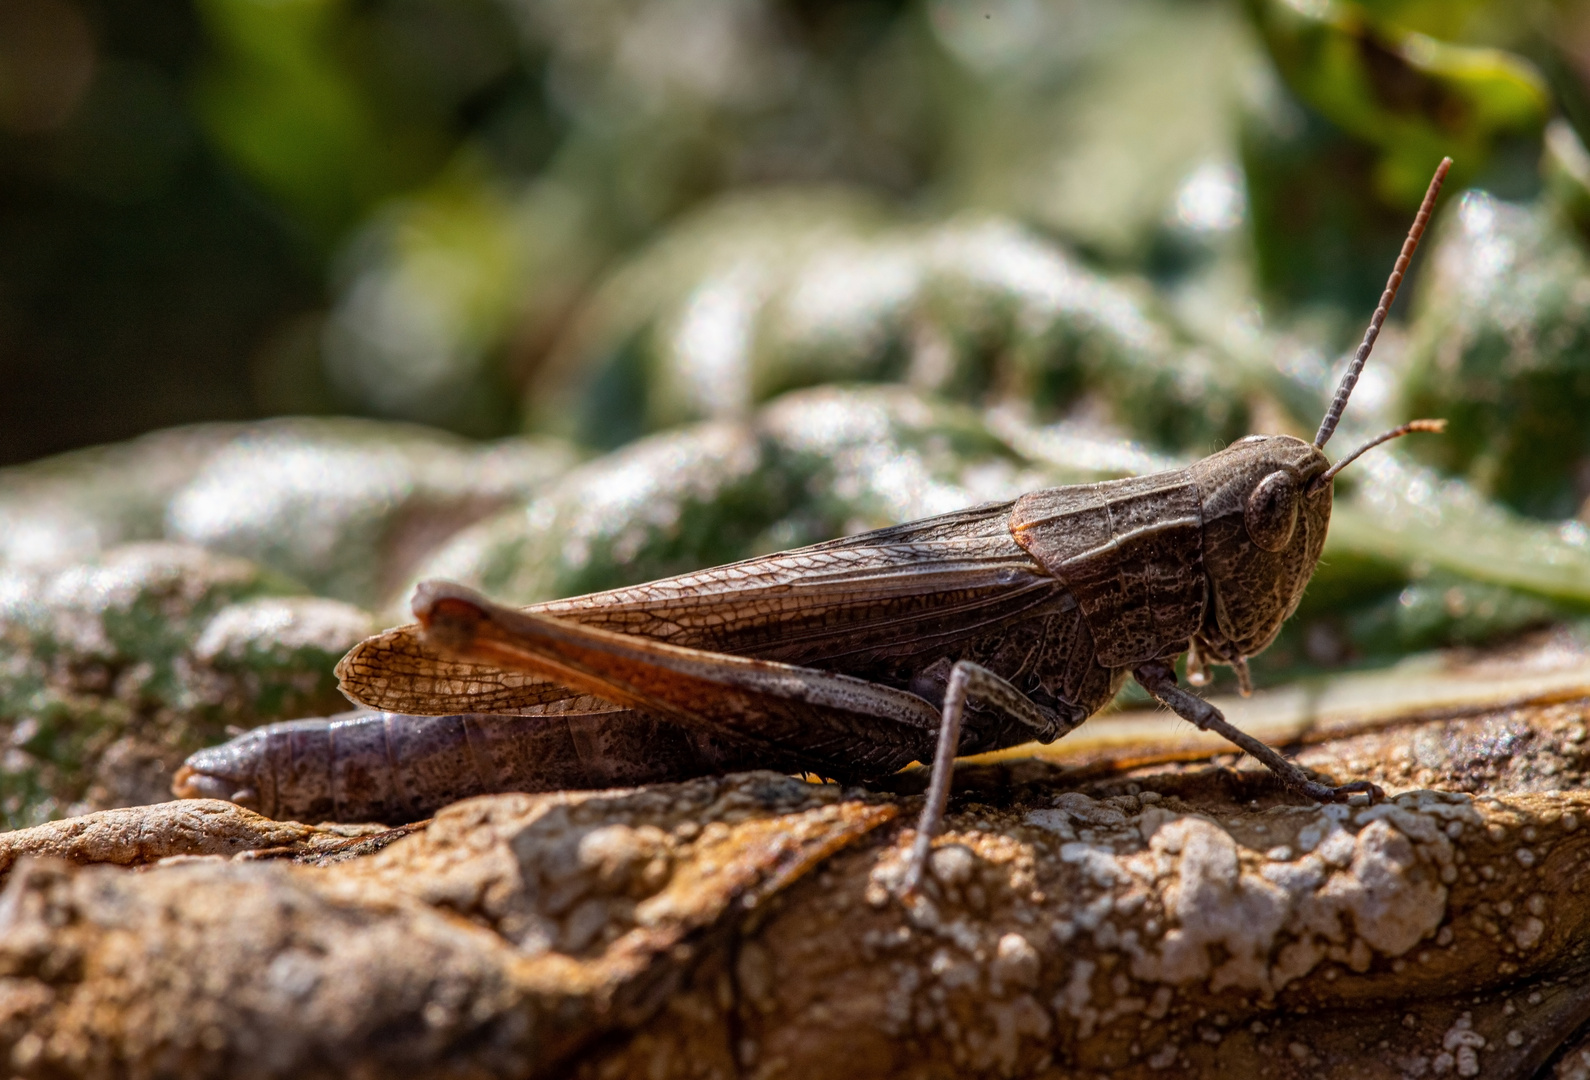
(967, 632)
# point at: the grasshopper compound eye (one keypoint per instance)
(1271, 513)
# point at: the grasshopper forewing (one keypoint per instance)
(976, 630)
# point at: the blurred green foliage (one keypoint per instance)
(1387, 82)
(771, 292)
(1342, 132)
(1501, 348)
(190, 190)
(416, 208)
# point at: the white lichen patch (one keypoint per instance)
(1459, 1051)
(1256, 921)
(239, 632)
(1174, 899)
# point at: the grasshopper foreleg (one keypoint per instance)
(1159, 679)
(969, 679)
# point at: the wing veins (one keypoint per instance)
(853, 591)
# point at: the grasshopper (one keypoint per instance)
(972, 631)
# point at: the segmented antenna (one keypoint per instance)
(1333, 415)
(1395, 433)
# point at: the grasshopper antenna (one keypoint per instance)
(1384, 437)
(1333, 415)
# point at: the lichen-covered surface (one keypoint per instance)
(112, 670)
(341, 506)
(1158, 921)
(156, 594)
(190, 828)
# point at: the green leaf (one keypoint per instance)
(1412, 96)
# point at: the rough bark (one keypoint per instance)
(1169, 920)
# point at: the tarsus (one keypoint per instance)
(1333, 415)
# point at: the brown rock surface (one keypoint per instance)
(1167, 920)
(191, 828)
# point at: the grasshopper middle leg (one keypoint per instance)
(969, 680)
(1159, 679)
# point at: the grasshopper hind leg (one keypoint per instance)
(1159, 679)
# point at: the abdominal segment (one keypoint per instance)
(396, 768)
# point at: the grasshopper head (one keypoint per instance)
(1266, 503)
(1265, 517)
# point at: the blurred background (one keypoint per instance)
(426, 209)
